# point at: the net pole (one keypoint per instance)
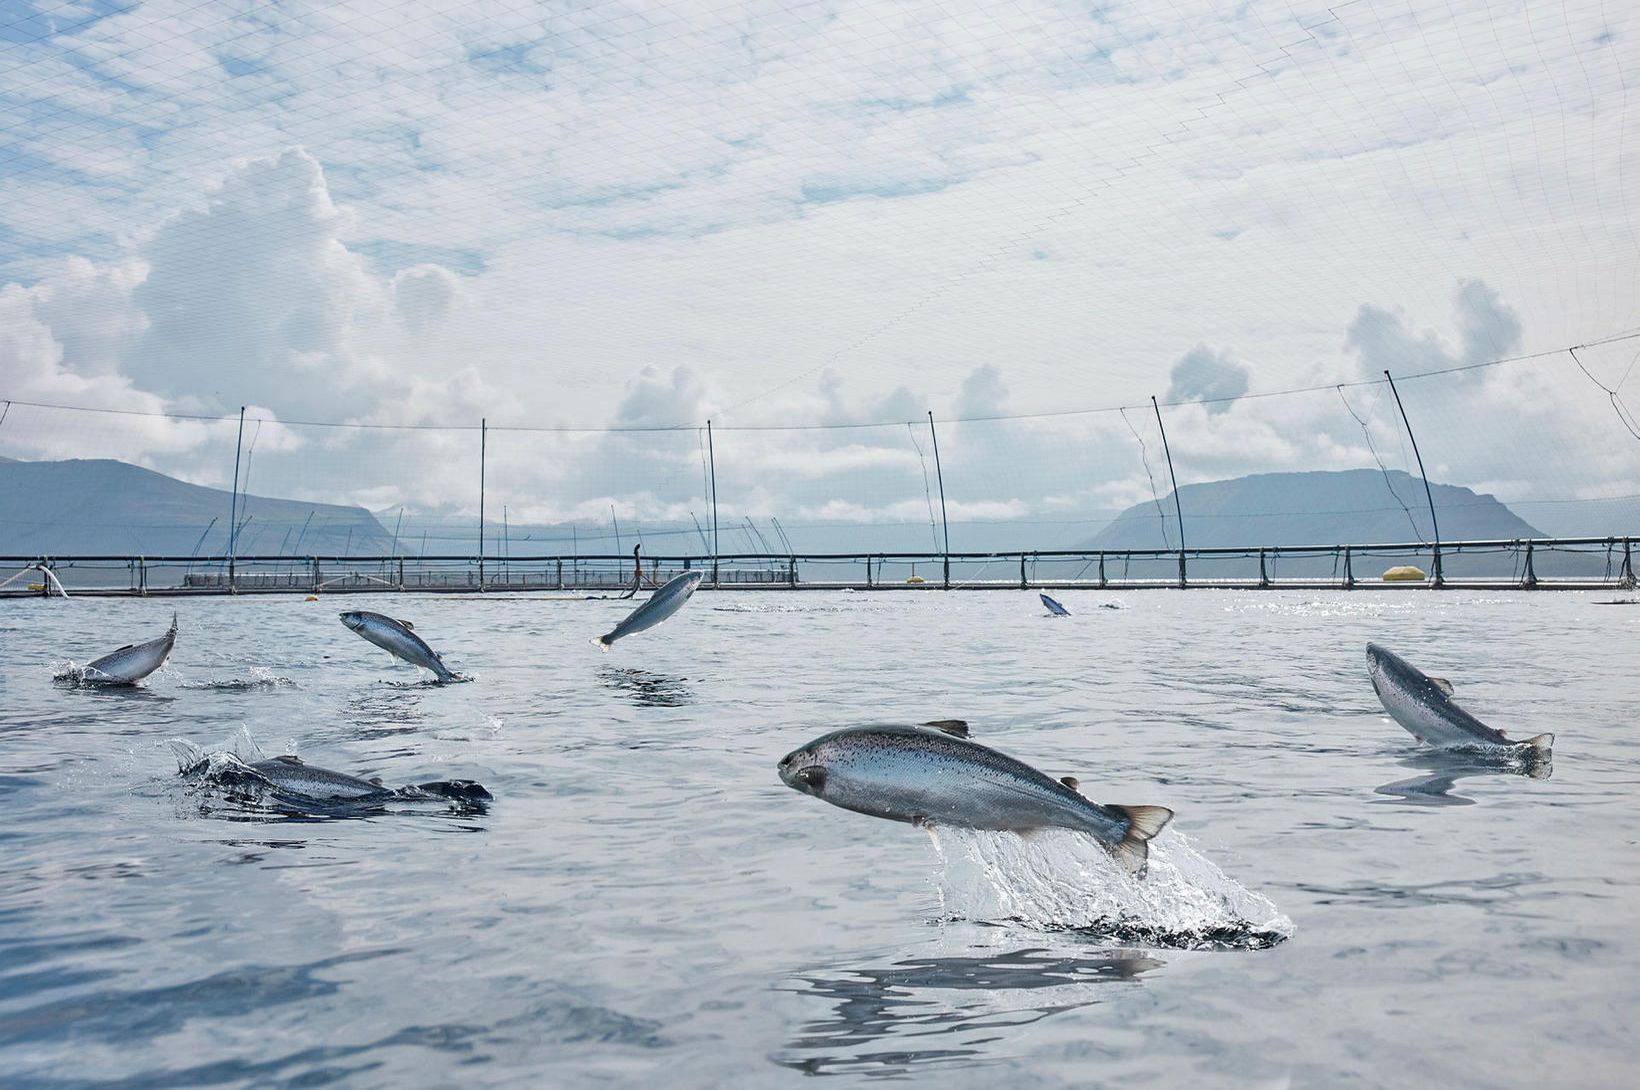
(1177, 509)
(711, 460)
(483, 457)
(1428, 495)
(233, 505)
(939, 475)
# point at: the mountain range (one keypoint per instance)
(107, 507)
(101, 506)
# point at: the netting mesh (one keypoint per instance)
(1527, 449)
(481, 280)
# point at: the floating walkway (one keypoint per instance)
(1538, 563)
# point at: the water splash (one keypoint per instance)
(257, 679)
(1058, 880)
(238, 751)
(239, 783)
(71, 673)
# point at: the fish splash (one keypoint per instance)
(72, 674)
(1057, 880)
(238, 751)
(258, 679)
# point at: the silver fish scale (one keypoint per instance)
(1420, 706)
(316, 783)
(895, 770)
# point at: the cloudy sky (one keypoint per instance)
(577, 216)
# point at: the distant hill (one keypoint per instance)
(101, 506)
(1357, 506)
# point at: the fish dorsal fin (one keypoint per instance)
(956, 728)
(407, 624)
(1442, 684)
(377, 780)
(1071, 782)
(127, 647)
(289, 759)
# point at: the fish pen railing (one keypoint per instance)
(1565, 563)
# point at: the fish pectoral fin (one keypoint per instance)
(1071, 782)
(1442, 684)
(1144, 822)
(956, 728)
(289, 758)
(921, 821)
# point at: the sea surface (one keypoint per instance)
(644, 903)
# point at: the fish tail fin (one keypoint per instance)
(1541, 744)
(601, 642)
(1144, 822)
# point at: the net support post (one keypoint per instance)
(1436, 577)
(1178, 509)
(1349, 569)
(1528, 577)
(939, 475)
(483, 459)
(711, 461)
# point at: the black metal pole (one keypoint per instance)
(1428, 495)
(483, 457)
(233, 505)
(1177, 510)
(711, 458)
(939, 475)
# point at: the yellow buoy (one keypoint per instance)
(313, 597)
(916, 579)
(1405, 573)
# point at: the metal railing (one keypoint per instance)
(1572, 563)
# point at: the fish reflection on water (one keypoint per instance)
(945, 1010)
(647, 690)
(1445, 768)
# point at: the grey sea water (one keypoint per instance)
(645, 903)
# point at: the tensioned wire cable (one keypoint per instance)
(656, 428)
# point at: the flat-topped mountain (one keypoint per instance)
(1355, 506)
(103, 507)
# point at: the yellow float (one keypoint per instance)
(1405, 573)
